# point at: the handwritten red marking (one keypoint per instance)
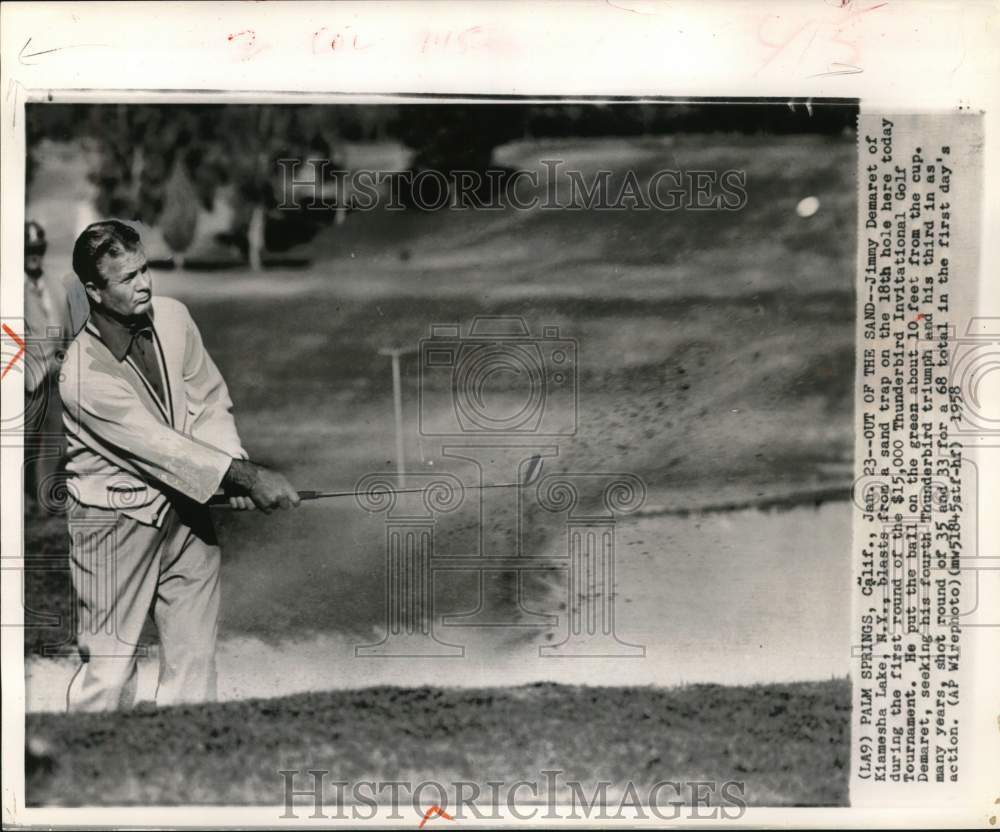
(434, 811)
(338, 40)
(246, 42)
(17, 355)
(831, 31)
(429, 37)
(464, 40)
(920, 316)
(780, 46)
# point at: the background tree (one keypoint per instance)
(163, 163)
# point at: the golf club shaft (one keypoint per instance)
(322, 495)
(531, 474)
(223, 500)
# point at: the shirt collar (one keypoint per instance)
(116, 332)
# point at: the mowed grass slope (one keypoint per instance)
(787, 743)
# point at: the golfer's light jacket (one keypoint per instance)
(124, 445)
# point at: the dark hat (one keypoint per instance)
(34, 238)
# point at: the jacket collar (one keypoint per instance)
(118, 332)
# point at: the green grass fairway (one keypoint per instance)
(787, 743)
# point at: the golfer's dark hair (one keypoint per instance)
(109, 238)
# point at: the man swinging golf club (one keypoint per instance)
(151, 438)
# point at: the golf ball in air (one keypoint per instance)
(807, 207)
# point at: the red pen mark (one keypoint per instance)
(920, 316)
(337, 41)
(247, 42)
(780, 46)
(17, 355)
(434, 811)
(462, 42)
(827, 32)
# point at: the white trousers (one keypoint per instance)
(123, 571)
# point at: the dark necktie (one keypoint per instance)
(143, 353)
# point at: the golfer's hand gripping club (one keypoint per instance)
(248, 486)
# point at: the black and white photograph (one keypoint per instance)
(441, 458)
(546, 414)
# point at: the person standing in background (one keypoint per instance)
(48, 328)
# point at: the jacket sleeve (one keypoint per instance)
(108, 408)
(208, 397)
